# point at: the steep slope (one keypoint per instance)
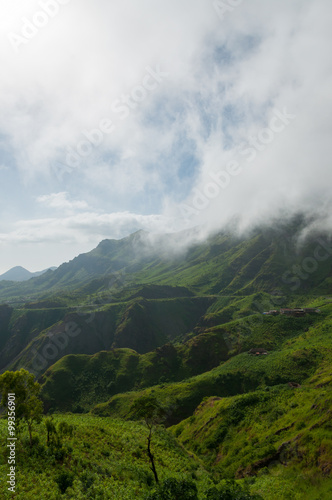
(281, 434)
(19, 327)
(107, 459)
(266, 418)
(296, 356)
(140, 324)
(95, 378)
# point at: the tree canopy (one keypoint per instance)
(28, 406)
(148, 409)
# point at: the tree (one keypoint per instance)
(28, 407)
(149, 409)
(50, 428)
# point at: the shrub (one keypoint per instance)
(59, 454)
(65, 429)
(230, 490)
(217, 438)
(174, 489)
(87, 480)
(64, 480)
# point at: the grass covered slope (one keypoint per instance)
(83, 380)
(140, 324)
(297, 352)
(77, 382)
(279, 436)
(18, 327)
(264, 418)
(104, 459)
(282, 434)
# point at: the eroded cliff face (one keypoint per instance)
(5, 315)
(38, 338)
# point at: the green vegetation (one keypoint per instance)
(124, 340)
(102, 459)
(296, 358)
(19, 396)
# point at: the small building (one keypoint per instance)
(296, 312)
(258, 351)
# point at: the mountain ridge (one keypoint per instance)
(141, 257)
(19, 273)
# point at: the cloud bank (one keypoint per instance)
(160, 115)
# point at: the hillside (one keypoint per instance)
(227, 263)
(140, 324)
(85, 380)
(247, 395)
(111, 294)
(105, 458)
(299, 354)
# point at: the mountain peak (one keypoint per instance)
(19, 273)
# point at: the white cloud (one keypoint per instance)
(287, 69)
(85, 227)
(60, 201)
(224, 80)
(65, 79)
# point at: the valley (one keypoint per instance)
(246, 395)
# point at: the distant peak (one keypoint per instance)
(19, 273)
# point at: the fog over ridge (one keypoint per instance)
(162, 117)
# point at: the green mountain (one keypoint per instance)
(18, 273)
(134, 293)
(246, 394)
(224, 263)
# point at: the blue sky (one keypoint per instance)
(117, 116)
